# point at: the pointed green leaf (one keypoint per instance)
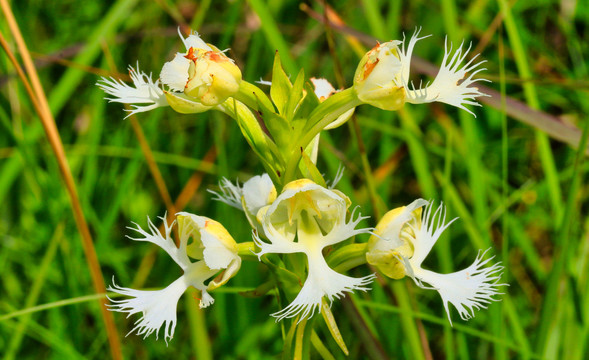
(332, 326)
(277, 125)
(258, 140)
(281, 85)
(296, 96)
(288, 342)
(251, 95)
(310, 171)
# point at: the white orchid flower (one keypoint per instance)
(382, 77)
(144, 91)
(316, 217)
(256, 193)
(215, 251)
(402, 241)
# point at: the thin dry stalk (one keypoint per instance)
(38, 97)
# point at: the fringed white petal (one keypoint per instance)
(468, 289)
(321, 281)
(194, 41)
(426, 235)
(167, 243)
(344, 231)
(230, 194)
(157, 307)
(277, 245)
(405, 53)
(452, 85)
(144, 91)
(336, 179)
(174, 73)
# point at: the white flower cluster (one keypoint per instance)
(302, 216)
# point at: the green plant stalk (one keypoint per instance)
(321, 349)
(323, 115)
(200, 341)
(545, 152)
(504, 177)
(34, 293)
(555, 278)
(260, 143)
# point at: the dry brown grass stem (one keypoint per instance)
(39, 100)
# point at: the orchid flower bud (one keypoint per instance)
(256, 193)
(204, 73)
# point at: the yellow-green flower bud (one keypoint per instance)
(213, 77)
(378, 77)
(391, 239)
(204, 74)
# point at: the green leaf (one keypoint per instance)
(277, 125)
(281, 85)
(295, 96)
(288, 341)
(310, 171)
(251, 95)
(261, 143)
(332, 326)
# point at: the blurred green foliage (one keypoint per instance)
(493, 172)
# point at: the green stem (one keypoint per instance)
(327, 112)
(262, 145)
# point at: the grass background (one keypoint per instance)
(515, 188)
